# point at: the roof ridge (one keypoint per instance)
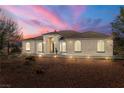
(74, 34)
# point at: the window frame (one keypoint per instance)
(40, 50)
(103, 50)
(29, 46)
(61, 47)
(77, 51)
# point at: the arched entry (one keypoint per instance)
(51, 45)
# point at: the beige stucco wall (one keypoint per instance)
(89, 46)
(33, 47)
(36, 46)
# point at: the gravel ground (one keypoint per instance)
(65, 73)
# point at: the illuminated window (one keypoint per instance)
(63, 46)
(77, 45)
(39, 47)
(28, 46)
(100, 46)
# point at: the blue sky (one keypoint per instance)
(40, 19)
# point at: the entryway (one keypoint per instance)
(51, 45)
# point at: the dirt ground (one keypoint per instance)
(62, 73)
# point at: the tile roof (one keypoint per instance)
(74, 34)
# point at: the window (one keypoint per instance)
(39, 47)
(28, 47)
(63, 46)
(77, 45)
(100, 46)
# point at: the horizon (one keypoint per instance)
(40, 19)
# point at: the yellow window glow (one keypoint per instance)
(100, 46)
(28, 46)
(77, 45)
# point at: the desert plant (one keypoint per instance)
(30, 60)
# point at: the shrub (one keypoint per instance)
(3, 56)
(30, 60)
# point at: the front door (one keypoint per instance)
(51, 45)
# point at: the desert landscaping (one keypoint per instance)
(61, 72)
(61, 46)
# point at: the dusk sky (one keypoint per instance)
(36, 20)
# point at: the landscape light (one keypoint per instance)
(40, 55)
(88, 57)
(70, 57)
(107, 58)
(55, 56)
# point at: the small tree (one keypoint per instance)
(118, 32)
(9, 32)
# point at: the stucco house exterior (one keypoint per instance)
(83, 44)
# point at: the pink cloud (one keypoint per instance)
(39, 32)
(78, 10)
(37, 19)
(36, 13)
(49, 15)
(19, 11)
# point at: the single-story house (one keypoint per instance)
(85, 44)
